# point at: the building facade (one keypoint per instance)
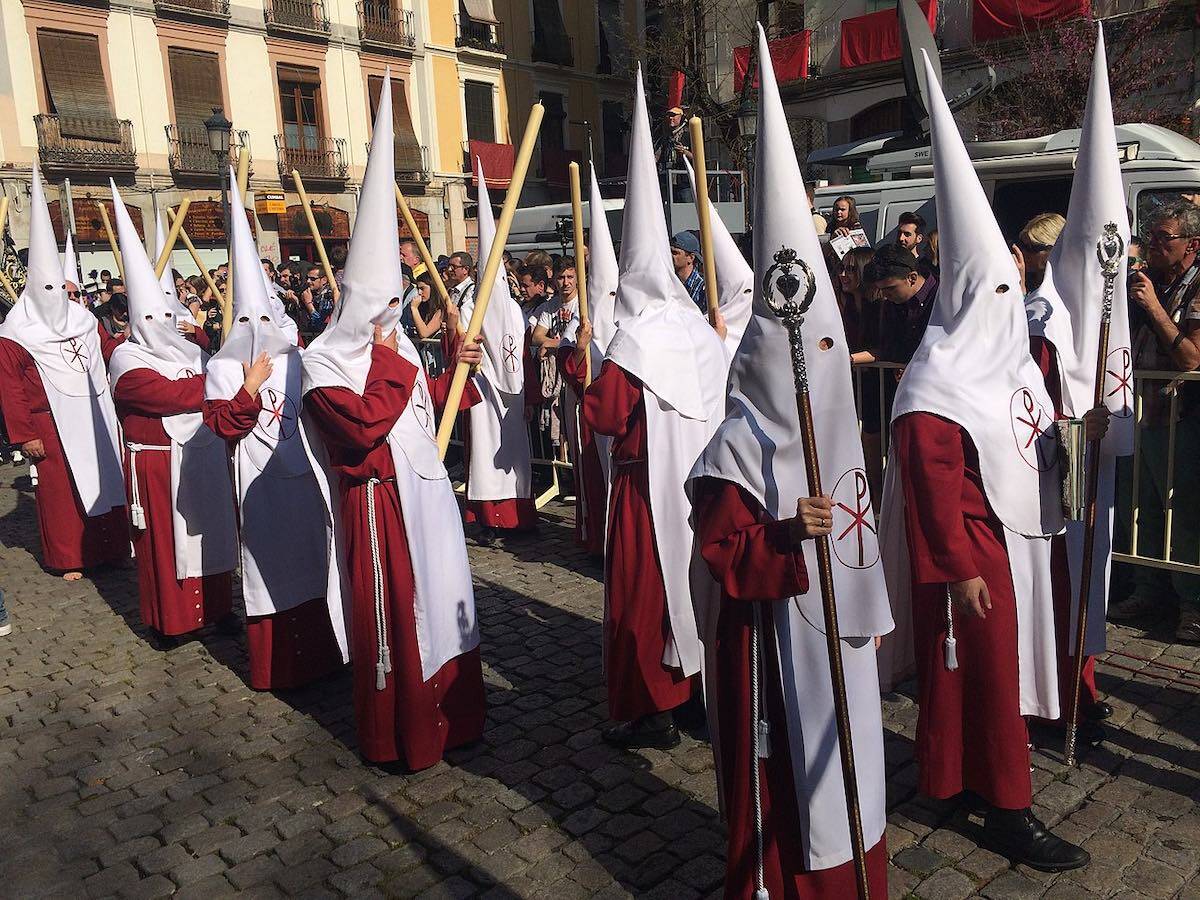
(122, 88)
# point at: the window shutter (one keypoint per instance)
(196, 89)
(75, 85)
(550, 41)
(481, 11)
(299, 74)
(406, 147)
(481, 122)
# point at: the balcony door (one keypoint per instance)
(195, 93)
(300, 105)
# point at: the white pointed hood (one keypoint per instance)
(735, 279)
(154, 340)
(71, 262)
(760, 446)
(1066, 309)
(254, 329)
(167, 279)
(372, 287)
(973, 366)
(602, 271)
(503, 323)
(661, 337)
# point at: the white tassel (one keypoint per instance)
(138, 516)
(761, 894)
(380, 677)
(951, 653)
(387, 660)
(764, 739)
(33, 475)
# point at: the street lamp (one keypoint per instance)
(219, 131)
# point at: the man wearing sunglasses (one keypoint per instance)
(458, 277)
(1165, 327)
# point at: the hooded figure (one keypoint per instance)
(1064, 326)
(749, 488)
(181, 498)
(54, 395)
(291, 579)
(969, 505)
(499, 477)
(659, 396)
(71, 263)
(414, 637)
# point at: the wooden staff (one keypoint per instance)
(112, 241)
(172, 236)
(172, 217)
(312, 227)
(243, 178)
(8, 287)
(580, 264)
(1110, 249)
(703, 214)
(488, 280)
(791, 313)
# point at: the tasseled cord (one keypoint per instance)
(951, 644)
(383, 659)
(760, 737)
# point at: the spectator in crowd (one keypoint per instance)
(1165, 329)
(541, 259)
(317, 300)
(674, 143)
(819, 221)
(862, 316)
(459, 281)
(105, 278)
(932, 243)
(910, 233)
(411, 257)
(193, 289)
(535, 291)
(113, 312)
(1033, 246)
(685, 255)
(337, 262)
(896, 278)
(554, 323)
(1137, 254)
(845, 216)
(426, 316)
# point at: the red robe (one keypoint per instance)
(71, 539)
(170, 606)
(411, 719)
(754, 560)
(108, 342)
(637, 625)
(970, 733)
(295, 646)
(590, 488)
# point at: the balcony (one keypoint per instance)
(81, 145)
(326, 162)
(472, 35)
(383, 25)
(305, 18)
(191, 158)
(412, 162)
(556, 52)
(212, 10)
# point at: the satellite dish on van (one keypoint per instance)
(915, 36)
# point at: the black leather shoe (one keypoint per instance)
(646, 732)
(1098, 711)
(486, 536)
(1017, 834)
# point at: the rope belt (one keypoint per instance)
(137, 513)
(760, 738)
(383, 655)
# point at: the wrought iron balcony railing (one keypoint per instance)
(412, 162)
(383, 24)
(202, 9)
(305, 17)
(84, 144)
(324, 162)
(192, 157)
(473, 35)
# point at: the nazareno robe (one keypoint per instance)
(71, 539)
(171, 606)
(637, 624)
(1046, 357)
(970, 733)
(411, 719)
(753, 559)
(591, 501)
(294, 646)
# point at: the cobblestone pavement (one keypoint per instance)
(125, 771)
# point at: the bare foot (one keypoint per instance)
(72, 576)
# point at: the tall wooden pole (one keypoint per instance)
(164, 256)
(112, 241)
(173, 218)
(581, 264)
(488, 278)
(316, 235)
(703, 213)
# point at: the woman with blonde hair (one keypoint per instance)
(1033, 246)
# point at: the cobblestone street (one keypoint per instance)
(129, 772)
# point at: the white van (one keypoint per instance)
(1022, 177)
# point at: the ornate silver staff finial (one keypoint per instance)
(780, 288)
(1110, 249)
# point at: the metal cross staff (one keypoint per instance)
(1110, 249)
(780, 280)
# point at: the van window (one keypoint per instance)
(1016, 202)
(1150, 200)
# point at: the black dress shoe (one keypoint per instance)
(486, 536)
(647, 732)
(1098, 711)
(1017, 834)
(163, 642)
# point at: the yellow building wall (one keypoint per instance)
(252, 102)
(447, 95)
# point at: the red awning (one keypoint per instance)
(993, 19)
(876, 37)
(498, 161)
(789, 55)
(556, 163)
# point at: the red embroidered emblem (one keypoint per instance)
(854, 542)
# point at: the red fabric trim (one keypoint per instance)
(498, 162)
(675, 82)
(992, 19)
(876, 37)
(789, 55)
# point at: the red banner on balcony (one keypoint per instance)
(992, 19)
(675, 82)
(498, 161)
(556, 163)
(876, 37)
(788, 54)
